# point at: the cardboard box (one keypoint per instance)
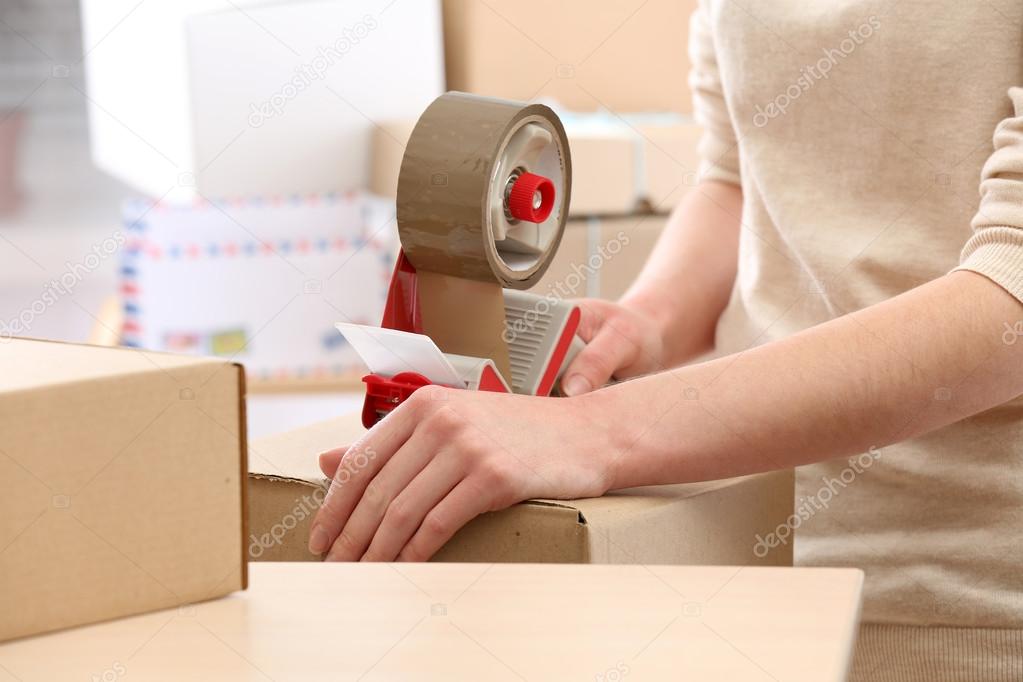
(122, 483)
(600, 257)
(260, 280)
(569, 274)
(704, 523)
(620, 165)
(252, 97)
(622, 56)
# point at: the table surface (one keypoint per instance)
(476, 621)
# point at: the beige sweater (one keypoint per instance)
(859, 132)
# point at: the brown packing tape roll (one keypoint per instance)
(447, 186)
(458, 164)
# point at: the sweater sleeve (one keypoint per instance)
(718, 149)
(996, 248)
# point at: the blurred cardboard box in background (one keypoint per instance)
(122, 483)
(623, 246)
(201, 97)
(622, 56)
(600, 257)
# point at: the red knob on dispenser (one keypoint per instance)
(531, 198)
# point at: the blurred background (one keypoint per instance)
(218, 176)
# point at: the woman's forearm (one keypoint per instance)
(930, 357)
(687, 279)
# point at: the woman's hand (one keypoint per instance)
(621, 342)
(445, 456)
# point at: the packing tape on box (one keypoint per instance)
(456, 220)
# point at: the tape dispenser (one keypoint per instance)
(483, 195)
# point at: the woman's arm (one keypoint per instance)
(915, 363)
(932, 356)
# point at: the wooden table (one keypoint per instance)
(477, 622)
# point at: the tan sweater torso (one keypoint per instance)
(860, 156)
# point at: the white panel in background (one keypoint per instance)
(225, 99)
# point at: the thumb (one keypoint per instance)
(331, 460)
(606, 353)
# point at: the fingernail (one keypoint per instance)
(318, 540)
(576, 384)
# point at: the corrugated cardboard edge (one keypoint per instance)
(280, 517)
(243, 458)
(289, 479)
